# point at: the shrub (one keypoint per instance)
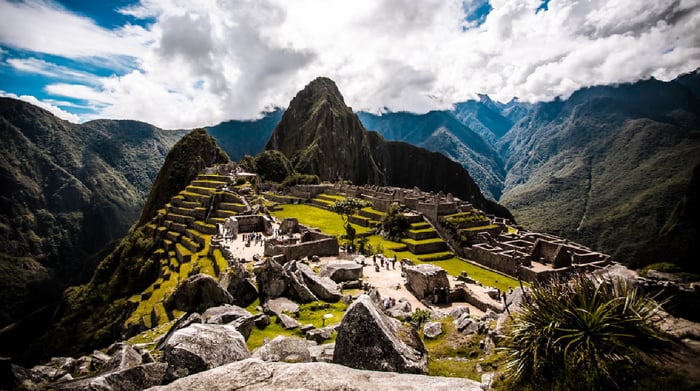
(582, 334)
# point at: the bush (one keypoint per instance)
(395, 224)
(582, 334)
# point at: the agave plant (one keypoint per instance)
(582, 329)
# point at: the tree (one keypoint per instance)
(395, 224)
(346, 208)
(583, 334)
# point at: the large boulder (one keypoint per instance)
(342, 271)
(257, 375)
(238, 282)
(422, 280)
(126, 379)
(232, 315)
(284, 349)
(204, 346)
(198, 291)
(298, 289)
(322, 287)
(368, 339)
(271, 279)
(320, 335)
(280, 305)
(466, 324)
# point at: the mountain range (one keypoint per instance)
(68, 192)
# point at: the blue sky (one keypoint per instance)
(183, 64)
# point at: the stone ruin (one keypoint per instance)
(529, 255)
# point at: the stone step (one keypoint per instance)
(323, 204)
(207, 229)
(214, 177)
(420, 234)
(200, 199)
(178, 227)
(420, 225)
(196, 236)
(216, 220)
(238, 208)
(200, 190)
(208, 183)
(436, 256)
(372, 214)
(182, 219)
(189, 244)
(425, 246)
(173, 236)
(222, 213)
(183, 254)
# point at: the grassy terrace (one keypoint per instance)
(331, 223)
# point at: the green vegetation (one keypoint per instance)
(311, 313)
(395, 224)
(271, 165)
(580, 335)
(345, 208)
(312, 216)
(454, 354)
(300, 179)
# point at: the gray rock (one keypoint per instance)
(322, 287)
(368, 339)
(232, 315)
(197, 291)
(287, 322)
(456, 312)
(284, 349)
(257, 375)
(489, 315)
(271, 279)
(237, 281)
(182, 322)
(298, 288)
(466, 325)
(322, 353)
(423, 279)
(280, 305)
(492, 292)
(319, 335)
(203, 346)
(432, 329)
(342, 271)
(123, 356)
(127, 379)
(261, 320)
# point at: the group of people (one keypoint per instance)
(255, 237)
(384, 262)
(441, 295)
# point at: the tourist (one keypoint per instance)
(393, 263)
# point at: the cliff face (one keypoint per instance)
(323, 137)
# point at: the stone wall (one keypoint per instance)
(312, 243)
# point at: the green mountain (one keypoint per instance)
(67, 193)
(101, 307)
(322, 136)
(607, 166)
(440, 131)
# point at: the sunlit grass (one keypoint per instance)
(327, 221)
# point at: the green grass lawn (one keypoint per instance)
(328, 222)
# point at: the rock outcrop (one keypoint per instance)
(368, 339)
(322, 287)
(232, 315)
(342, 271)
(423, 280)
(204, 346)
(238, 282)
(284, 349)
(127, 379)
(254, 374)
(197, 291)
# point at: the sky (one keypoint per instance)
(186, 64)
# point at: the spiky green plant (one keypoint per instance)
(580, 332)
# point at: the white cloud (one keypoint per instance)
(55, 110)
(45, 68)
(207, 61)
